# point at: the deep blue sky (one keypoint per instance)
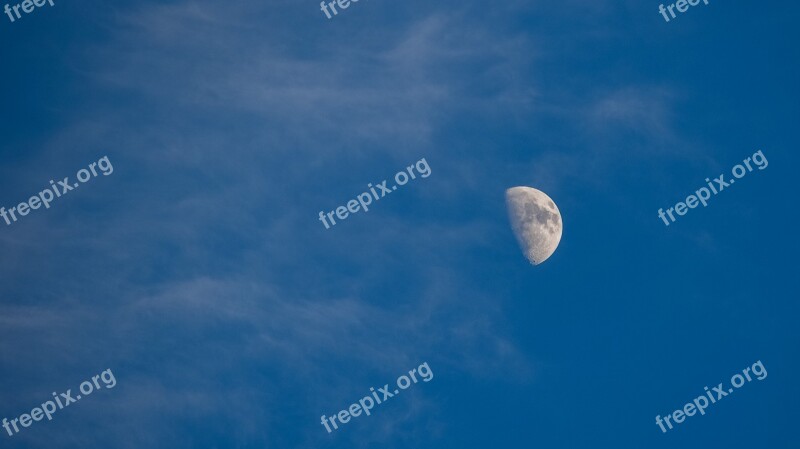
(199, 273)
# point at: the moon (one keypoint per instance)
(536, 222)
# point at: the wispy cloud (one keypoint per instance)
(199, 272)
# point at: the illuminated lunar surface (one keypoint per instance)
(536, 222)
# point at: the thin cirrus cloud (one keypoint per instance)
(197, 272)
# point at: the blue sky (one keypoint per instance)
(199, 273)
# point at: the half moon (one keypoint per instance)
(536, 222)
